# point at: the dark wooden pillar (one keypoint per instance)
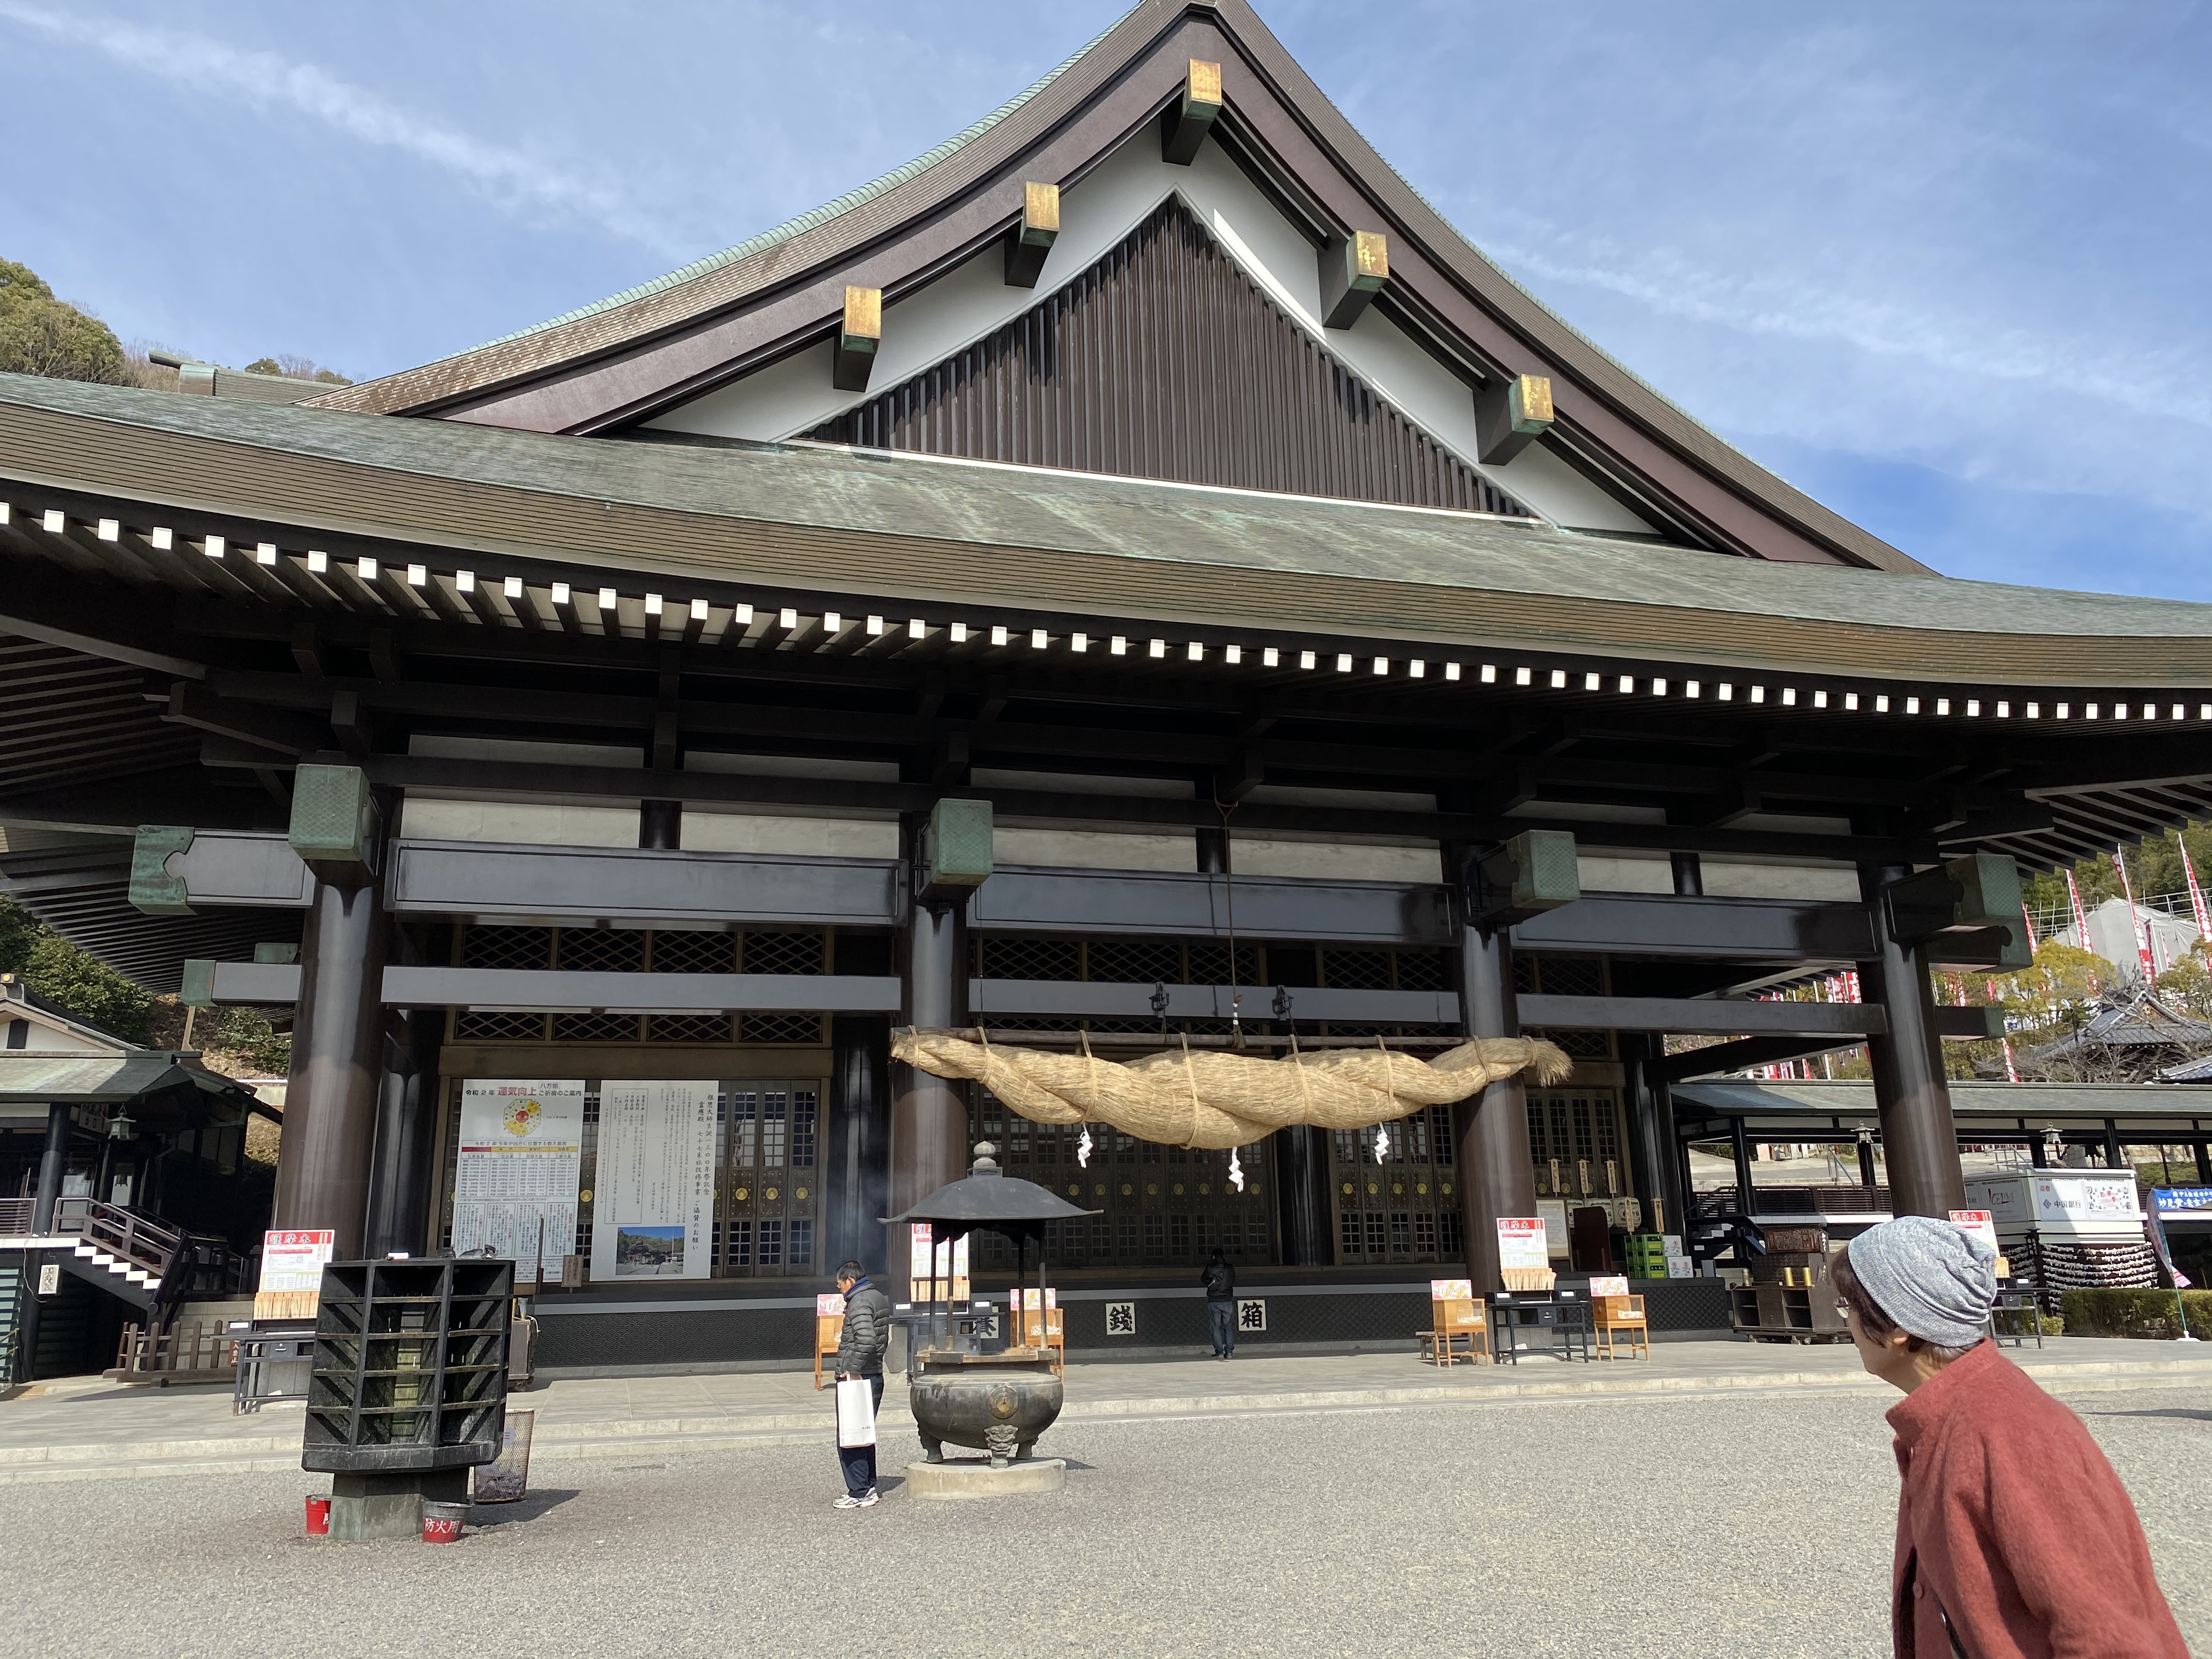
(1496, 1178)
(337, 1066)
(1651, 1162)
(1302, 1196)
(929, 1114)
(1920, 1141)
(660, 825)
(53, 1162)
(406, 1139)
(859, 1161)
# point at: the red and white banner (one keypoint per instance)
(2198, 908)
(2140, 929)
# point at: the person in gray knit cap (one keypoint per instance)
(2014, 1535)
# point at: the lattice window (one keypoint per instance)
(687, 1027)
(1402, 1233)
(602, 950)
(744, 1115)
(783, 953)
(1440, 1135)
(1425, 1233)
(1357, 970)
(498, 1027)
(1125, 1235)
(1448, 1239)
(514, 948)
(1209, 965)
(1352, 1239)
(1131, 1025)
(775, 1127)
(1424, 971)
(1135, 962)
(694, 953)
(805, 1112)
(1524, 972)
(779, 1027)
(1570, 977)
(800, 1251)
(1019, 956)
(1179, 1235)
(1581, 1045)
(1378, 1233)
(739, 1253)
(1585, 1139)
(1155, 1236)
(595, 1028)
(771, 1247)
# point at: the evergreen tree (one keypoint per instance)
(42, 334)
(86, 987)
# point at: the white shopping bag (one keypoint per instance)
(856, 1411)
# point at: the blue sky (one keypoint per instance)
(1946, 267)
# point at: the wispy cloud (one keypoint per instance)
(516, 179)
(1666, 281)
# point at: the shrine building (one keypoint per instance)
(1135, 573)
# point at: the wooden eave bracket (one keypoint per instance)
(1353, 270)
(1185, 123)
(1509, 415)
(853, 357)
(1032, 238)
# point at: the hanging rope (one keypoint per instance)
(1217, 1100)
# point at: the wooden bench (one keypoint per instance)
(1041, 1327)
(1613, 1313)
(828, 1332)
(1456, 1327)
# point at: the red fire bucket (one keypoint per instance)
(441, 1523)
(318, 1517)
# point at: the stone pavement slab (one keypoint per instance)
(92, 1430)
(1751, 1523)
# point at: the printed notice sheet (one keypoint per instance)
(522, 1146)
(652, 1204)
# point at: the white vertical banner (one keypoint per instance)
(652, 1204)
(522, 1146)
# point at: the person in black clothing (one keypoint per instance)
(867, 1333)
(1220, 1281)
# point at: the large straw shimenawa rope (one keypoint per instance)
(1214, 1099)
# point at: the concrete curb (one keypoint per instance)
(693, 1436)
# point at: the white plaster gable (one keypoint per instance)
(791, 397)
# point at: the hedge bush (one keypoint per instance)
(2136, 1313)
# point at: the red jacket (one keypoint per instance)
(2013, 1522)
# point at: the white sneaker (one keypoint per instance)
(870, 1500)
(849, 1502)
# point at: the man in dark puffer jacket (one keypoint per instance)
(866, 1335)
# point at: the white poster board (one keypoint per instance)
(522, 1146)
(292, 1263)
(947, 1263)
(1520, 1243)
(1553, 1213)
(1977, 1222)
(652, 1206)
(1607, 1284)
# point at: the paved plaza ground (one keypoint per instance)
(1723, 1499)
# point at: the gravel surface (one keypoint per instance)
(1709, 1525)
